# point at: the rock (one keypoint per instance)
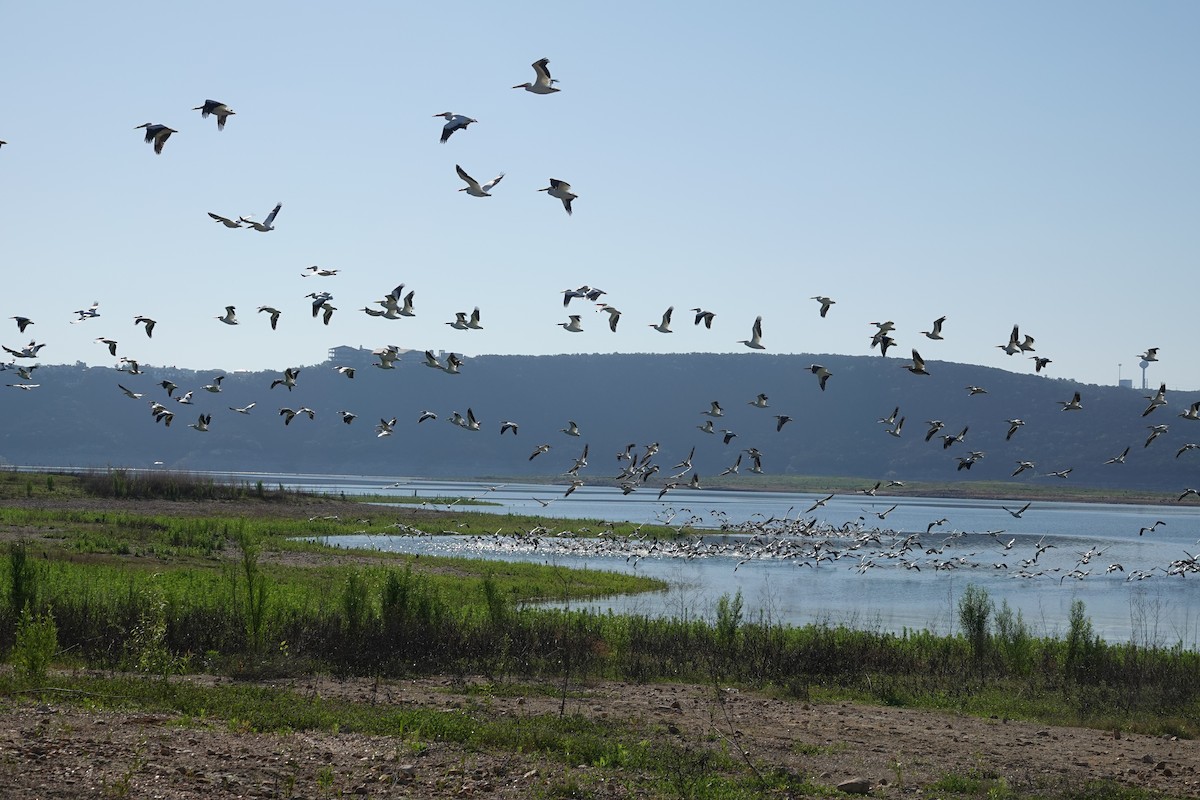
(855, 786)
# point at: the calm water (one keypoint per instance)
(1161, 608)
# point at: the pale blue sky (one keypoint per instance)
(1024, 163)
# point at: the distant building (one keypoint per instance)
(1125, 383)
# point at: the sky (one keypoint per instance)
(1021, 163)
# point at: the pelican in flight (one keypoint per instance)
(229, 317)
(823, 375)
(541, 448)
(110, 343)
(243, 409)
(347, 417)
(149, 323)
(1151, 354)
(544, 83)
(268, 225)
(22, 323)
(474, 187)
(201, 423)
(508, 425)
(320, 272)
(385, 428)
(289, 414)
(1192, 412)
(1073, 404)
(614, 316)
(157, 134)
(665, 325)
(463, 323)
(426, 415)
(714, 410)
(561, 190)
(1017, 514)
(1159, 399)
(755, 340)
(1155, 432)
(703, 316)
(917, 367)
(758, 402)
(90, 312)
(130, 393)
(825, 304)
(222, 112)
(289, 378)
(574, 327)
(274, 312)
(1040, 363)
(572, 429)
(936, 333)
(1119, 458)
(226, 221)
(454, 122)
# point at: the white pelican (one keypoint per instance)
(936, 333)
(759, 402)
(426, 415)
(130, 393)
(328, 312)
(226, 221)
(1192, 412)
(780, 421)
(453, 363)
(1151, 354)
(157, 134)
(347, 417)
(571, 294)
(1119, 458)
(319, 300)
(755, 340)
(454, 122)
(561, 190)
(129, 365)
(229, 318)
(544, 84)
(431, 360)
(1159, 399)
(573, 326)
(268, 225)
(149, 323)
(87, 313)
(1073, 405)
(665, 325)
(703, 316)
(243, 409)
(110, 343)
(471, 423)
(288, 414)
(385, 428)
(1062, 473)
(1022, 466)
(215, 386)
(614, 315)
(201, 423)
(347, 371)
(825, 303)
(508, 425)
(22, 323)
(707, 427)
(917, 367)
(733, 469)
(541, 448)
(274, 312)
(819, 503)
(1155, 432)
(289, 378)
(1016, 514)
(1014, 342)
(890, 418)
(185, 399)
(895, 429)
(474, 187)
(320, 272)
(169, 386)
(1039, 363)
(974, 390)
(25, 386)
(714, 410)
(387, 357)
(1013, 425)
(222, 112)
(823, 375)
(572, 429)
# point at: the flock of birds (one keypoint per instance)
(636, 470)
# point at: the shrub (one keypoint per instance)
(37, 642)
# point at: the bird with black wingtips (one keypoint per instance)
(825, 304)
(562, 191)
(823, 375)
(542, 83)
(158, 134)
(218, 109)
(267, 225)
(454, 123)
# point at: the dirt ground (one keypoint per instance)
(60, 750)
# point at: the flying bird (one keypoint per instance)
(917, 367)
(222, 112)
(936, 333)
(157, 134)
(1073, 404)
(543, 83)
(268, 224)
(664, 326)
(703, 316)
(574, 326)
(755, 340)
(22, 323)
(562, 191)
(273, 312)
(614, 316)
(825, 304)
(474, 187)
(149, 323)
(320, 272)
(226, 221)
(454, 122)
(229, 317)
(1017, 514)
(823, 375)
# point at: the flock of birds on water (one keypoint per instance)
(803, 541)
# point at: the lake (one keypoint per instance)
(871, 583)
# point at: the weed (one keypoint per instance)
(37, 642)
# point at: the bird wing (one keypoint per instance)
(271, 217)
(543, 73)
(471, 182)
(490, 184)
